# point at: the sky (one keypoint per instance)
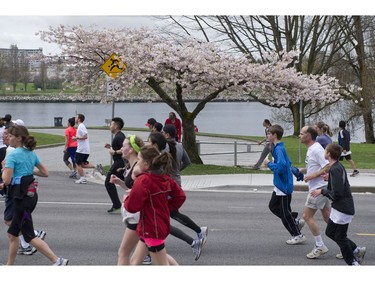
(18, 25)
(21, 30)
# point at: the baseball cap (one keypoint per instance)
(150, 121)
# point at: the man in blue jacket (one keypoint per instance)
(283, 180)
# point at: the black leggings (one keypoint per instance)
(184, 220)
(22, 220)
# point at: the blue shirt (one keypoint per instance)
(22, 161)
(282, 175)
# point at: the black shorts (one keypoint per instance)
(81, 159)
(153, 249)
(132, 226)
(347, 157)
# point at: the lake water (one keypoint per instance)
(236, 118)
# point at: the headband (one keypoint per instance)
(133, 144)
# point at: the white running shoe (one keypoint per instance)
(317, 252)
(61, 262)
(203, 235)
(296, 240)
(81, 181)
(360, 255)
(196, 247)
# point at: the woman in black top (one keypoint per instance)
(131, 146)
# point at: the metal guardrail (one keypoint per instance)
(238, 148)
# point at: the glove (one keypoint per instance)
(296, 172)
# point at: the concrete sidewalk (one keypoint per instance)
(52, 158)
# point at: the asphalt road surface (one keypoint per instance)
(242, 231)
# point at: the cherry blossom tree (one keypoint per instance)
(183, 70)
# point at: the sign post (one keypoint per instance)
(113, 66)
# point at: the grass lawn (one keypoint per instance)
(47, 139)
(363, 154)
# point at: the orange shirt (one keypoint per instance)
(69, 133)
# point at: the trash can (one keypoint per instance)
(58, 121)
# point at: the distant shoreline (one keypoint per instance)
(61, 98)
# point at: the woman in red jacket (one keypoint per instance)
(154, 195)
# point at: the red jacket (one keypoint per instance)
(154, 196)
(177, 124)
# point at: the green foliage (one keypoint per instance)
(47, 139)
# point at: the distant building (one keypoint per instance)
(25, 53)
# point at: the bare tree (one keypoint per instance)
(24, 70)
(43, 75)
(317, 38)
(2, 69)
(13, 67)
(359, 61)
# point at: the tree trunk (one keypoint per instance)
(364, 77)
(295, 108)
(189, 140)
(369, 127)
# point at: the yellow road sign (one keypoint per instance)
(113, 66)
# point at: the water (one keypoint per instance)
(234, 118)
(218, 117)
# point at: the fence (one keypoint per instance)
(209, 148)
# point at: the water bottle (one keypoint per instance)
(31, 190)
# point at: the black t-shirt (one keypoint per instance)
(117, 144)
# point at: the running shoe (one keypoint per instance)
(61, 262)
(25, 251)
(300, 223)
(203, 234)
(317, 252)
(114, 211)
(99, 168)
(355, 173)
(81, 181)
(299, 239)
(41, 234)
(73, 174)
(196, 247)
(147, 260)
(360, 255)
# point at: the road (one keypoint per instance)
(242, 231)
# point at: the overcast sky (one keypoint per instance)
(20, 30)
(20, 20)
